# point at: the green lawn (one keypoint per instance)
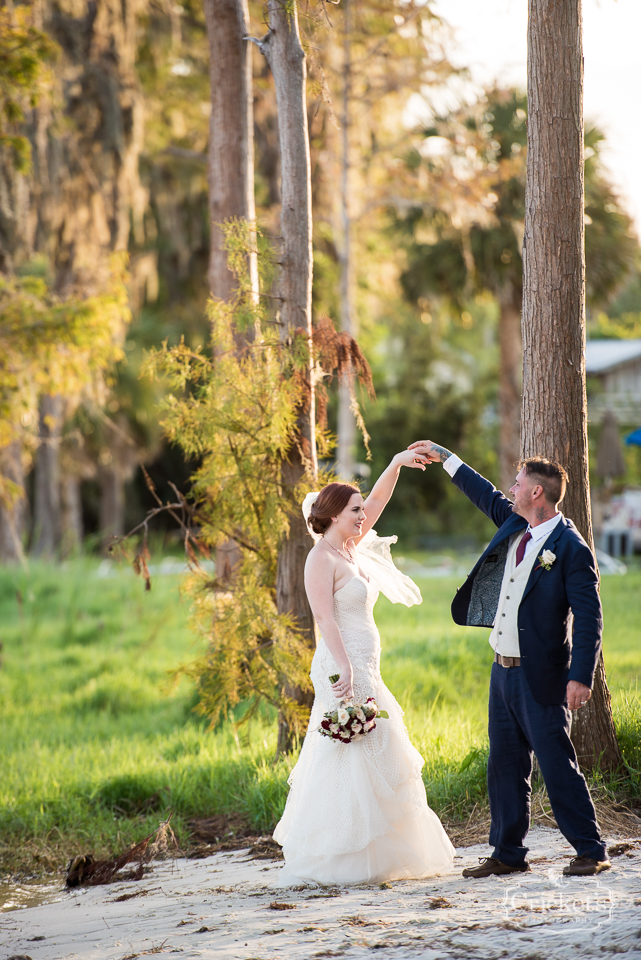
(98, 742)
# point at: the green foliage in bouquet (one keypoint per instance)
(350, 721)
(234, 412)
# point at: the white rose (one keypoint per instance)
(333, 727)
(370, 724)
(548, 557)
(357, 727)
(360, 715)
(343, 715)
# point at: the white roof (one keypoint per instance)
(603, 355)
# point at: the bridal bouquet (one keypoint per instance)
(351, 721)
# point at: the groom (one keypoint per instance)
(535, 571)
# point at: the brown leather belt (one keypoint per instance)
(507, 661)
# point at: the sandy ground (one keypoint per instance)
(227, 906)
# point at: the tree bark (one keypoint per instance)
(346, 461)
(230, 165)
(286, 58)
(346, 420)
(231, 134)
(47, 524)
(554, 412)
(509, 387)
(112, 502)
(12, 511)
(71, 515)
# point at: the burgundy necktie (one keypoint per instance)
(520, 550)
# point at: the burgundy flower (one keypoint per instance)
(352, 728)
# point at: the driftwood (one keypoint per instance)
(86, 871)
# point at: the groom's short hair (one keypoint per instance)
(550, 474)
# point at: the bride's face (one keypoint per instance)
(350, 520)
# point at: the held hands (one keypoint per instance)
(578, 694)
(411, 458)
(432, 451)
(343, 689)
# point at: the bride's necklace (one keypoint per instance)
(349, 559)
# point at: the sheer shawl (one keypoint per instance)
(375, 558)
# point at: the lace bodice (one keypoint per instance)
(354, 615)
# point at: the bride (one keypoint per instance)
(356, 812)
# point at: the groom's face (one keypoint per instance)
(522, 493)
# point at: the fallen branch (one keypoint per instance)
(86, 871)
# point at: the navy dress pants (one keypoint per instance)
(519, 727)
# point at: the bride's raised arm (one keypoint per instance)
(384, 487)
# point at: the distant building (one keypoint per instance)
(617, 364)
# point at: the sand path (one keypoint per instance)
(227, 907)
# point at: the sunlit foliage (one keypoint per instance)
(54, 345)
(466, 231)
(25, 54)
(234, 411)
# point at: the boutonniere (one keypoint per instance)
(546, 560)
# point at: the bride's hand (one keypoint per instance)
(430, 450)
(411, 458)
(343, 689)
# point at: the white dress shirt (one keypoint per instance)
(504, 638)
(540, 533)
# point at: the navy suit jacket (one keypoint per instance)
(553, 650)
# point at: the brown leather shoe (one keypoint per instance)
(585, 867)
(491, 867)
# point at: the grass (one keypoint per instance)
(97, 742)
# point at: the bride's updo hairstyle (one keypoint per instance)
(331, 501)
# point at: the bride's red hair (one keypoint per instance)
(331, 501)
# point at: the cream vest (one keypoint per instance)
(504, 638)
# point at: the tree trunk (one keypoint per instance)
(13, 509)
(554, 412)
(47, 524)
(509, 387)
(346, 420)
(71, 515)
(291, 597)
(231, 134)
(112, 503)
(346, 461)
(230, 164)
(286, 58)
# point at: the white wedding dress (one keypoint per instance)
(357, 812)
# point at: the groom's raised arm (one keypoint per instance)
(476, 488)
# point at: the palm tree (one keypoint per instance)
(477, 229)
